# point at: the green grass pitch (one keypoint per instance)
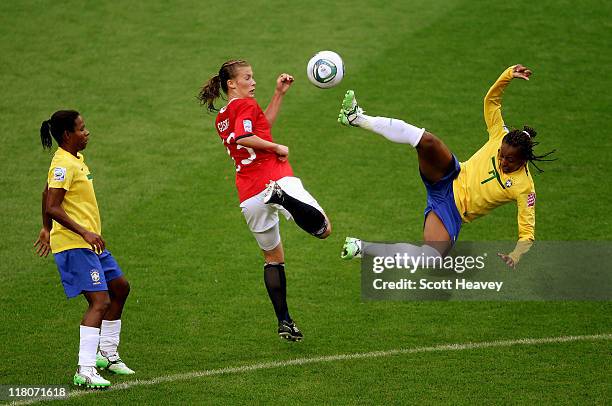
(170, 213)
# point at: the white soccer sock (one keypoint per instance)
(109, 336)
(392, 129)
(428, 253)
(90, 337)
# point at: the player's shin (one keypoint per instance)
(394, 130)
(276, 285)
(307, 217)
(88, 345)
(109, 336)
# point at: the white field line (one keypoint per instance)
(328, 358)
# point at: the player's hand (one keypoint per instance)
(507, 259)
(282, 152)
(521, 72)
(96, 241)
(42, 244)
(283, 82)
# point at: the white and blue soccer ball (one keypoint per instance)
(325, 69)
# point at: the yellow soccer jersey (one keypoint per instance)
(70, 173)
(482, 186)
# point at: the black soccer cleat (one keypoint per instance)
(289, 331)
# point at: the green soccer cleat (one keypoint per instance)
(113, 364)
(89, 378)
(351, 248)
(350, 110)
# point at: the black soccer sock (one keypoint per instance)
(276, 284)
(307, 217)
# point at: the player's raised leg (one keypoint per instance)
(304, 209)
(356, 248)
(435, 159)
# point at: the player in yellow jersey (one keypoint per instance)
(458, 193)
(72, 232)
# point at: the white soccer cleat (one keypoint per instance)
(350, 110)
(113, 363)
(89, 378)
(273, 193)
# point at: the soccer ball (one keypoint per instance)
(325, 69)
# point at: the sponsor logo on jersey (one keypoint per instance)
(531, 198)
(509, 183)
(223, 125)
(248, 126)
(95, 276)
(59, 174)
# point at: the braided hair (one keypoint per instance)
(60, 122)
(212, 89)
(523, 140)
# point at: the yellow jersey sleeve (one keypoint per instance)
(525, 203)
(521, 248)
(60, 175)
(492, 105)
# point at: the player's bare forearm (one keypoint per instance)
(46, 220)
(58, 214)
(283, 83)
(255, 142)
(55, 211)
(274, 107)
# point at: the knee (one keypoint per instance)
(428, 141)
(100, 305)
(274, 256)
(119, 289)
(125, 289)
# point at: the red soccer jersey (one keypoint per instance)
(254, 168)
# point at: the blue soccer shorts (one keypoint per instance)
(441, 200)
(82, 270)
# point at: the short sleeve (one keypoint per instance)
(60, 177)
(245, 120)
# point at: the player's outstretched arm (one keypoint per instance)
(513, 258)
(521, 72)
(283, 83)
(525, 203)
(492, 100)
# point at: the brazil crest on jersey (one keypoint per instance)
(242, 118)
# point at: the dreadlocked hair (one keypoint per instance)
(60, 122)
(212, 89)
(523, 140)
